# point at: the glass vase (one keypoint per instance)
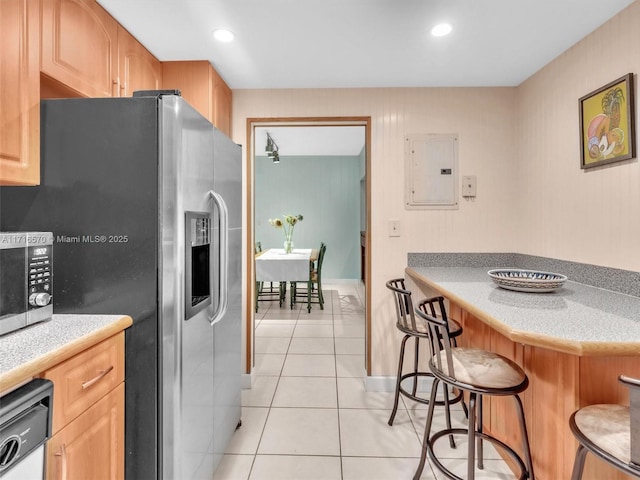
(288, 246)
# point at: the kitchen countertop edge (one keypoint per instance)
(59, 350)
(579, 348)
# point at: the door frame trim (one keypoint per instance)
(251, 124)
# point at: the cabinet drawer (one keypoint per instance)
(82, 380)
(92, 446)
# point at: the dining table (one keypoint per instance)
(276, 265)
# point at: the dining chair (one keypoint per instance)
(478, 373)
(311, 290)
(406, 323)
(611, 432)
(269, 291)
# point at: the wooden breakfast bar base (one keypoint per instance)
(573, 344)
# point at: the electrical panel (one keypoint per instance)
(431, 171)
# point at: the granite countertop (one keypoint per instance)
(577, 318)
(31, 350)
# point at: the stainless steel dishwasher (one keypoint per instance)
(25, 426)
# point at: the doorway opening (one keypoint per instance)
(256, 141)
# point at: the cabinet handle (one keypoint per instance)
(63, 466)
(101, 374)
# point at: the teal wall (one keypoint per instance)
(327, 192)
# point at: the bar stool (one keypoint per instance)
(610, 432)
(406, 323)
(477, 372)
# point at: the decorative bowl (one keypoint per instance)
(527, 280)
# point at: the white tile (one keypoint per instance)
(246, 438)
(283, 467)
(309, 365)
(313, 331)
(315, 321)
(279, 321)
(350, 346)
(301, 431)
(269, 364)
(261, 392)
(274, 330)
(312, 346)
(319, 392)
(342, 330)
(365, 433)
(367, 468)
(234, 467)
(303, 434)
(351, 394)
(316, 313)
(350, 366)
(442, 447)
(272, 344)
(349, 319)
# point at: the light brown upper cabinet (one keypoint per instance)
(79, 47)
(139, 70)
(203, 88)
(19, 93)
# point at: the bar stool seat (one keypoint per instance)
(406, 323)
(478, 373)
(609, 431)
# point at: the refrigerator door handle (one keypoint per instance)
(223, 257)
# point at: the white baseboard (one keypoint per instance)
(246, 381)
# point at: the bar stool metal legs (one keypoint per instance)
(406, 323)
(479, 373)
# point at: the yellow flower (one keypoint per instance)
(276, 222)
(289, 223)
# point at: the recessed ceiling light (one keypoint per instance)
(224, 36)
(441, 29)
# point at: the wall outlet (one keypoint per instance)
(469, 186)
(394, 228)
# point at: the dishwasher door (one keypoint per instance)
(25, 426)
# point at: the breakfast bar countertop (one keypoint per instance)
(577, 319)
(31, 350)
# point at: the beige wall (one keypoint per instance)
(522, 145)
(590, 216)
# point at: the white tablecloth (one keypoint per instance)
(276, 266)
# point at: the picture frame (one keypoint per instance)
(607, 124)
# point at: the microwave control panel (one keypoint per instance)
(40, 277)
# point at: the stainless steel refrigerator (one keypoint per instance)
(143, 196)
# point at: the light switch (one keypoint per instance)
(469, 186)
(394, 228)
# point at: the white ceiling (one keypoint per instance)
(312, 140)
(364, 43)
(360, 44)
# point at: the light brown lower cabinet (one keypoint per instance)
(88, 414)
(92, 445)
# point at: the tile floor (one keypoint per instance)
(308, 416)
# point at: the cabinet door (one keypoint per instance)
(221, 104)
(92, 446)
(203, 88)
(79, 46)
(193, 79)
(139, 70)
(19, 93)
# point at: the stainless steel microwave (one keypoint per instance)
(26, 279)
